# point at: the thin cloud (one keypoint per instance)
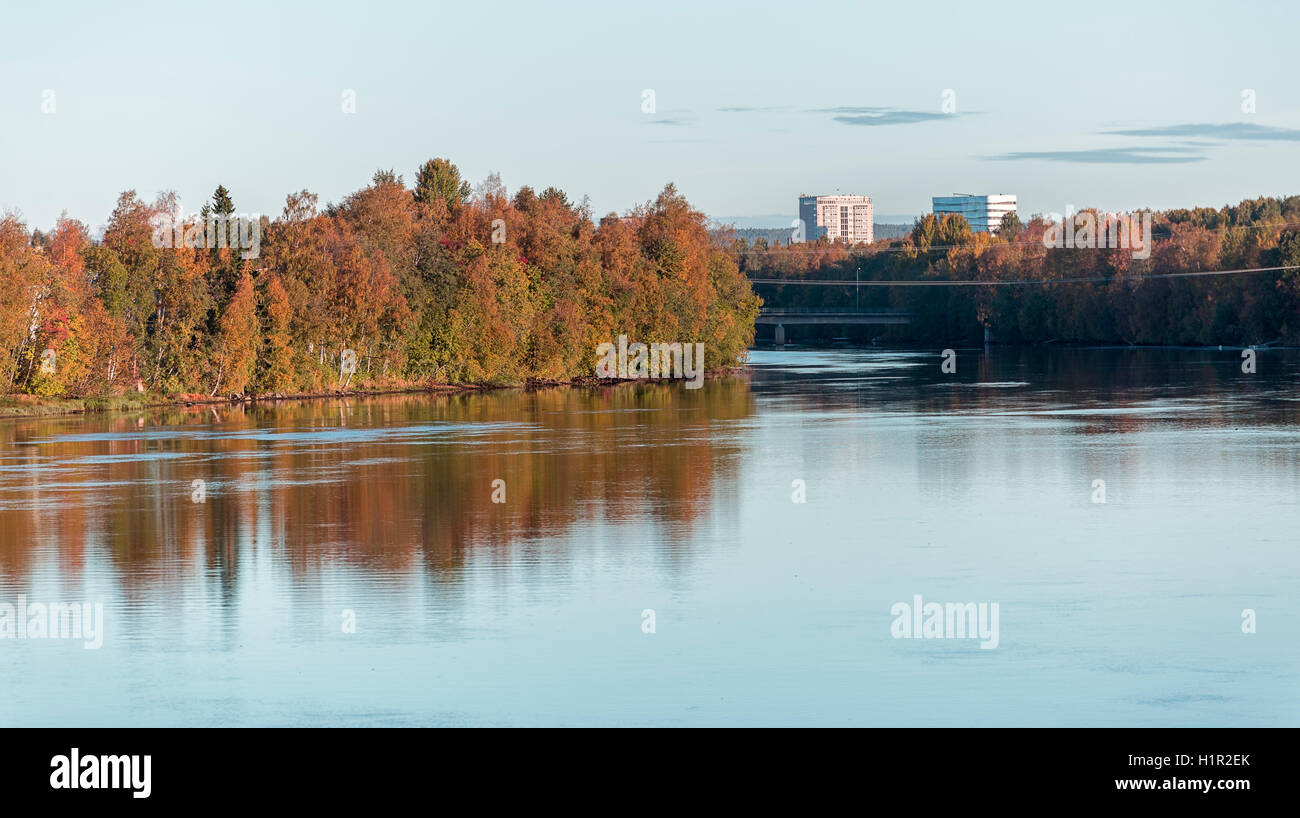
(850, 109)
(1224, 131)
(889, 116)
(860, 115)
(1109, 156)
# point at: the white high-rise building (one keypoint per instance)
(984, 213)
(837, 217)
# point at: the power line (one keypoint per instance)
(858, 250)
(1004, 282)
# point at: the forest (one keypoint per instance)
(441, 282)
(396, 286)
(1030, 293)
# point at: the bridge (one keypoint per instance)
(832, 315)
(780, 317)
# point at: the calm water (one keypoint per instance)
(974, 487)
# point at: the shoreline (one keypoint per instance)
(19, 406)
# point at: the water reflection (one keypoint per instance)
(385, 483)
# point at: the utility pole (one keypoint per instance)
(856, 273)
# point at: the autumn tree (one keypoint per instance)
(278, 353)
(235, 352)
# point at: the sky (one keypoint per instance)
(1120, 106)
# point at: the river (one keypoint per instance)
(639, 555)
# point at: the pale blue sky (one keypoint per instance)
(1106, 108)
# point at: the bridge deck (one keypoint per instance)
(813, 316)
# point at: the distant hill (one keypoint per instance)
(892, 231)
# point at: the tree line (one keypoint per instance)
(1123, 299)
(395, 286)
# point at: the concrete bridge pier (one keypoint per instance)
(780, 335)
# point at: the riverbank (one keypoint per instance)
(35, 406)
(23, 406)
